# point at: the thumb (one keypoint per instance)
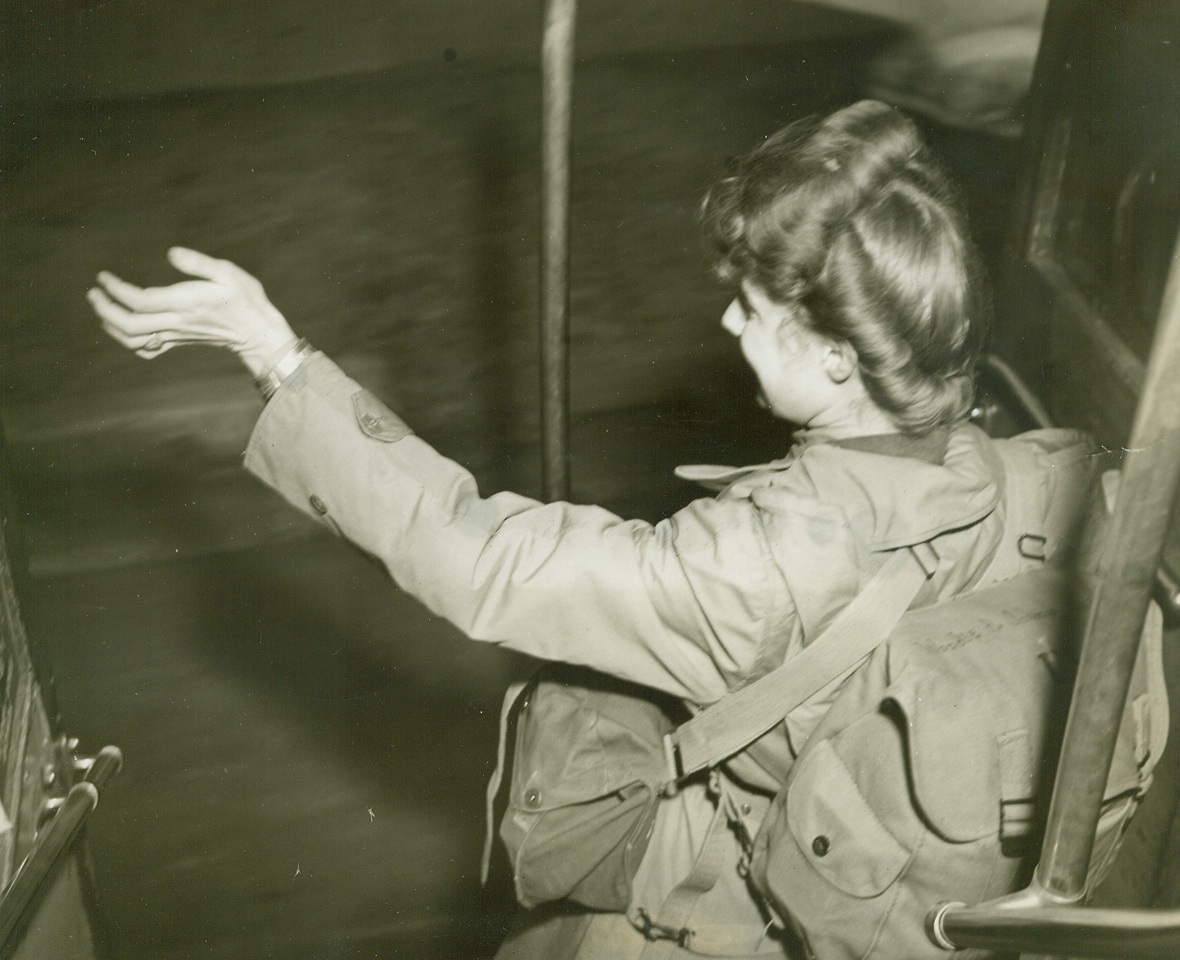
(195, 263)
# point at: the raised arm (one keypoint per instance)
(686, 605)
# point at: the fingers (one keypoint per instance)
(148, 335)
(223, 272)
(186, 295)
(108, 311)
(222, 306)
(133, 323)
(156, 346)
(199, 264)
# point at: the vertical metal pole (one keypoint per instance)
(1130, 555)
(557, 49)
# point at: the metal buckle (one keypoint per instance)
(1032, 546)
(673, 767)
(927, 558)
(653, 931)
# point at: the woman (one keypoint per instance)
(858, 306)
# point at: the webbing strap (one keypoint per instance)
(1017, 808)
(739, 718)
(672, 930)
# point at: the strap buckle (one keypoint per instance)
(1032, 546)
(653, 931)
(927, 557)
(674, 766)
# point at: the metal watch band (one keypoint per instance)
(277, 375)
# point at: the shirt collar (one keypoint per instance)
(930, 447)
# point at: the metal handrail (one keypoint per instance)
(103, 767)
(41, 865)
(1125, 571)
(54, 843)
(1060, 931)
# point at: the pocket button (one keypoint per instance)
(532, 798)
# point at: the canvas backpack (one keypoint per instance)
(922, 784)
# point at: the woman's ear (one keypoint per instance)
(840, 360)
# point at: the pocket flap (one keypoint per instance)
(954, 759)
(836, 829)
(581, 736)
(972, 679)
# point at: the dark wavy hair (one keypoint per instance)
(850, 218)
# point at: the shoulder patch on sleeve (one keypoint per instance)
(376, 420)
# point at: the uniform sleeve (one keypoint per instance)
(686, 605)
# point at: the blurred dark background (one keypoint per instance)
(306, 748)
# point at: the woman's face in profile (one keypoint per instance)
(787, 356)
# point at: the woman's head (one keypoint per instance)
(849, 221)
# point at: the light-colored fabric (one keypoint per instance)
(730, 922)
(721, 592)
(921, 784)
(716, 734)
(727, 919)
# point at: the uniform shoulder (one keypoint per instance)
(894, 501)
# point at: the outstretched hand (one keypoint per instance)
(225, 307)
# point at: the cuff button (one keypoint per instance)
(317, 504)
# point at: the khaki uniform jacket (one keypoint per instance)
(721, 591)
(717, 594)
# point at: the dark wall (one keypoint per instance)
(123, 48)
